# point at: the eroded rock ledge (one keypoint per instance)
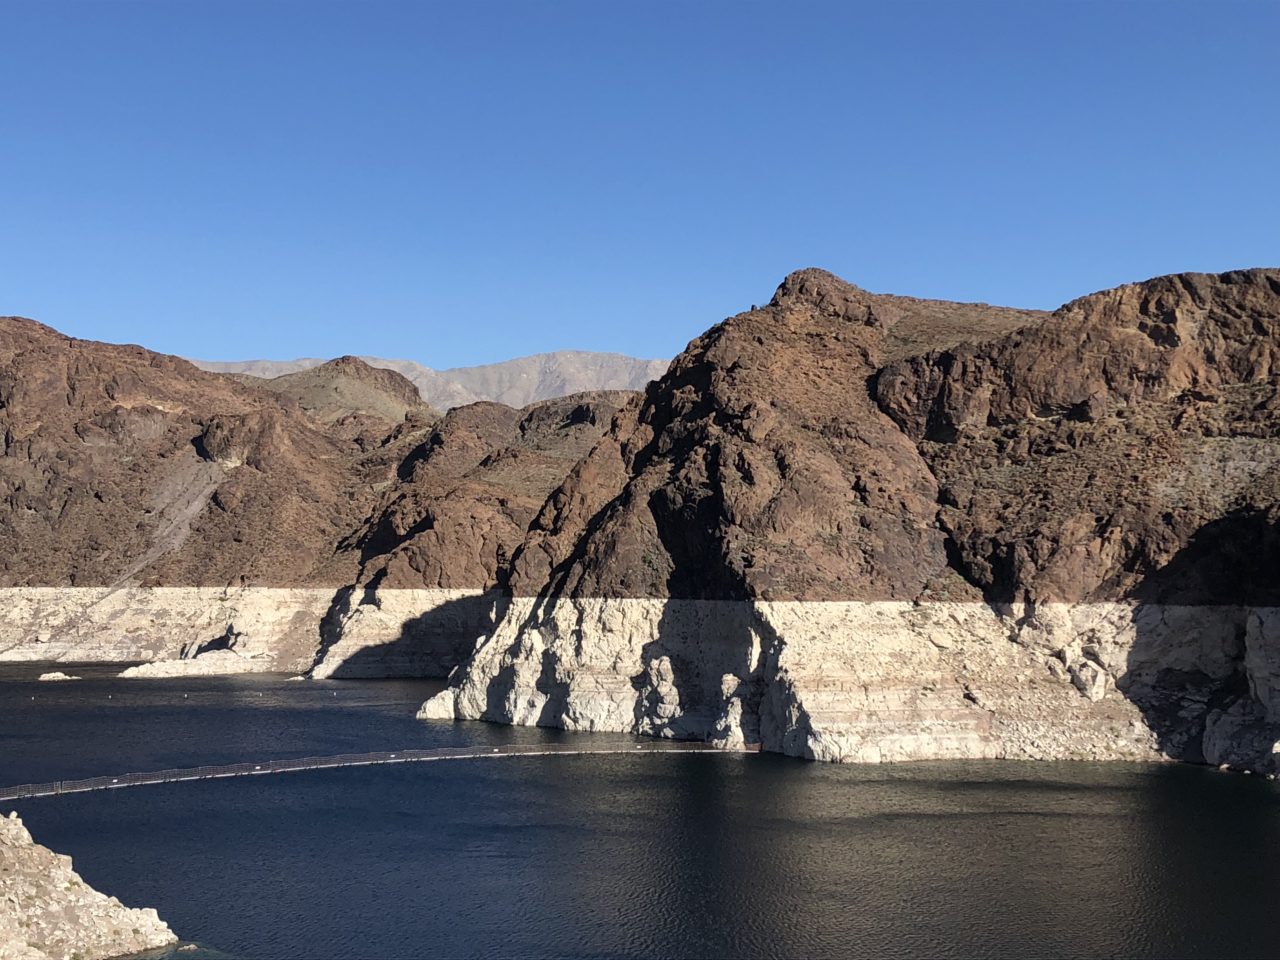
(48, 913)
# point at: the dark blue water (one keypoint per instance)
(687, 855)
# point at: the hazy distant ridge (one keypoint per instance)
(516, 382)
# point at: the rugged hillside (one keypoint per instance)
(516, 383)
(863, 527)
(352, 395)
(147, 505)
(466, 496)
(436, 546)
(760, 465)
(1076, 460)
(151, 511)
(124, 466)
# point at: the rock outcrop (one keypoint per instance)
(123, 466)
(48, 913)
(860, 527)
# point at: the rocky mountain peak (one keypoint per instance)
(815, 288)
(346, 361)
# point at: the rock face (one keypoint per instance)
(48, 913)
(122, 466)
(760, 466)
(860, 527)
(466, 496)
(515, 383)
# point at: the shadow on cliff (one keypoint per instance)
(428, 645)
(551, 686)
(1186, 668)
(697, 664)
(553, 689)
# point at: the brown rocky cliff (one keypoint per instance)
(467, 493)
(760, 465)
(126, 467)
(801, 450)
(1078, 457)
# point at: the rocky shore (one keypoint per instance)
(48, 913)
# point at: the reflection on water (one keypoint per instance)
(685, 855)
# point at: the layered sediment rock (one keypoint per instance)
(870, 681)
(858, 527)
(48, 913)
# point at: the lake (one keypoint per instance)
(622, 855)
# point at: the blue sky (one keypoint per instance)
(464, 182)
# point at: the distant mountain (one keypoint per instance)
(262, 369)
(348, 387)
(516, 383)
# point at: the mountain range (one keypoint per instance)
(843, 525)
(516, 383)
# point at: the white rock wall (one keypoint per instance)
(276, 628)
(865, 682)
(384, 633)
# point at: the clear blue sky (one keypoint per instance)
(464, 182)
